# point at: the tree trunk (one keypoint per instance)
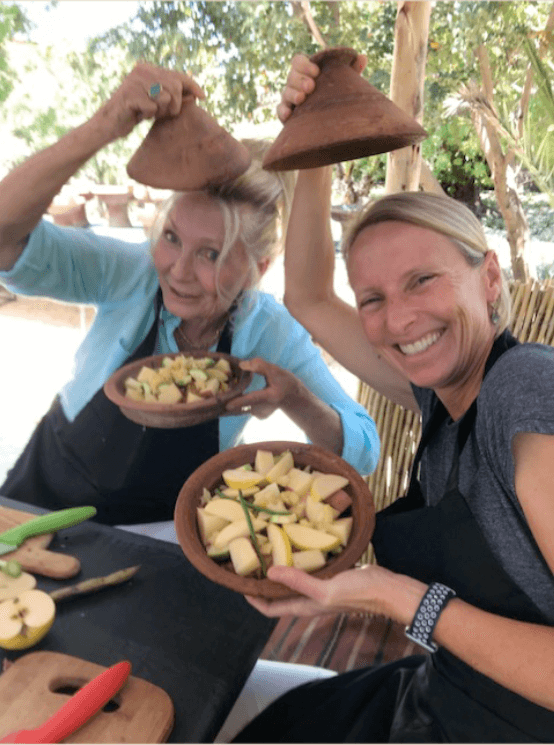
(408, 75)
(503, 173)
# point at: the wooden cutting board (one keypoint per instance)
(33, 554)
(29, 693)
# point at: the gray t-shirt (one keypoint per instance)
(517, 395)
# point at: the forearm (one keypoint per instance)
(27, 191)
(309, 248)
(320, 422)
(517, 655)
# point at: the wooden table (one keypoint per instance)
(181, 632)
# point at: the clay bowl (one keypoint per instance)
(208, 475)
(171, 416)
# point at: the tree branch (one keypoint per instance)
(302, 9)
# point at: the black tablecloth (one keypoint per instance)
(196, 640)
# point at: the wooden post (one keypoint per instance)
(408, 75)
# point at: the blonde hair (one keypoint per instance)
(255, 208)
(443, 215)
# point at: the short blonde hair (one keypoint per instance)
(255, 208)
(442, 214)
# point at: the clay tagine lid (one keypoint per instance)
(187, 152)
(345, 118)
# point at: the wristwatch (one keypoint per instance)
(423, 625)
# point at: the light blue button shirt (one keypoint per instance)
(119, 278)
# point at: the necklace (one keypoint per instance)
(180, 335)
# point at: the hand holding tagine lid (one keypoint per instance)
(187, 152)
(345, 118)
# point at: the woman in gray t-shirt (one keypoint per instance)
(466, 559)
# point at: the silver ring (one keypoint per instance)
(155, 90)
(246, 409)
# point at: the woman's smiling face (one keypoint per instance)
(185, 258)
(423, 307)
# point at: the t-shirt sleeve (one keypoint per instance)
(517, 396)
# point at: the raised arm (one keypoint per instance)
(27, 191)
(310, 265)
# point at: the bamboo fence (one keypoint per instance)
(400, 429)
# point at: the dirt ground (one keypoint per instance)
(48, 311)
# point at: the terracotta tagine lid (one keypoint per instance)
(345, 118)
(188, 152)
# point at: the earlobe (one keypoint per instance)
(263, 266)
(493, 276)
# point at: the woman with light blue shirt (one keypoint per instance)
(192, 286)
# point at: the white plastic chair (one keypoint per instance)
(267, 681)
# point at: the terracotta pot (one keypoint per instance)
(208, 475)
(188, 152)
(345, 118)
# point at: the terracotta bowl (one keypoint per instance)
(171, 416)
(208, 475)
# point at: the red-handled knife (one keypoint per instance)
(80, 708)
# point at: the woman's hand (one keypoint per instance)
(132, 102)
(301, 82)
(281, 385)
(371, 589)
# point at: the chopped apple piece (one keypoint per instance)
(281, 548)
(236, 530)
(263, 462)
(283, 465)
(319, 511)
(243, 556)
(303, 537)
(169, 394)
(341, 528)
(192, 397)
(208, 524)
(309, 560)
(248, 492)
(237, 478)
(326, 484)
(299, 481)
(266, 495)
(226, 508)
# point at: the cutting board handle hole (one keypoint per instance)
(70, 687)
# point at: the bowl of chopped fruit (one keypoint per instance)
(177, 390)
(266, 503)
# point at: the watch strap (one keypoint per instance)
(423, 624)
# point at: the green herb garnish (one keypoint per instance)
(245, 505)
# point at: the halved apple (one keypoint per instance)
(11, 587)
(26, 619)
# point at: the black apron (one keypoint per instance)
(433, 698)
(129, 472)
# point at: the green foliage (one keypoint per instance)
(12, 20)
